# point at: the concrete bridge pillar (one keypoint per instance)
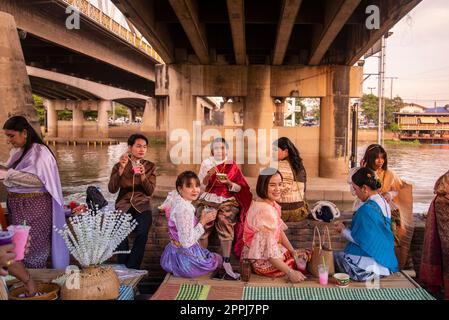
(15, 88)
(149, 117)
(258, 114)
(52, 118)
(78, 121)
(334, 124)
(102, 125)
(181, 114)
(228, 114)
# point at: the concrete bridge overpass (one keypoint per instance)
(101, 52)
(263, 51)
(63, 92)
(258, 51)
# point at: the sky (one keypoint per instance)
(417, 53)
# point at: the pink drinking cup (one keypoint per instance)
(20, 239)
(323, 274)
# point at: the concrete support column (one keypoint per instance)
(181, 114)
(334, 124)
(103, 107)
(257, 114)
(52, 118)
(78, 121)
(228, 114)
(149, 117)
(15, 88)
(279, 113)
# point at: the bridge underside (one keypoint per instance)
(307, 32)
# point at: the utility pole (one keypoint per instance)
(391, 85)
(371, 88)
(380, 90)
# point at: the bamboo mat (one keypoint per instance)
(233, 290)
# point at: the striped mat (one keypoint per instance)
(126, 293)
(291, 293)
(193, 292)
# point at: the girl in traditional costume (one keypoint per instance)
(399, 196)
(293, 203)
(34, 194)
(434, 270)
(226, 190)
(266, 244)
(370, 251)
(183, 256)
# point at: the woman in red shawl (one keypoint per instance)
(434, 272)
(225, 189)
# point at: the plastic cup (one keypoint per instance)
(323, 274)
(20, 239)
(6, 237)
(136, 167)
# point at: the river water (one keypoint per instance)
(82, 166)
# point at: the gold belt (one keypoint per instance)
(26, 195)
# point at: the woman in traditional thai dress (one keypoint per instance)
(434, 270)
(399, 196)
(183, 256)
(34, 193)
(370, 251)
(266, 245)
(293, 201)
(226, 190)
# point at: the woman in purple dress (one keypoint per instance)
(32, 180)
(183, 256)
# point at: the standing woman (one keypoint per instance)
(293, 203)
(34, 193)
(434, 271)
(398, 195)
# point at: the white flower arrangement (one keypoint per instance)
(96, 234)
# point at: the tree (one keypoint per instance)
(370, 107)
(40, 109)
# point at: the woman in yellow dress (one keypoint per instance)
(398, 193)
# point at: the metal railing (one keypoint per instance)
(95, 14)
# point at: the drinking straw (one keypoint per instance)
(24, 223)
(324, 263)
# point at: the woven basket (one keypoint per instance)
(95, 283)
(49, 290)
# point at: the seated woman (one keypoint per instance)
(370, 251)
(399, 196)
(263, 235)
(183, 256)
(293, 202)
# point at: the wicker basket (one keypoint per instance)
(49, 290)
(95, 283)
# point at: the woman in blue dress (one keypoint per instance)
(370, 251)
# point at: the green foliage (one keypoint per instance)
(370, 106)
(90, 115)
(121, 111)
(393, 127)
(40, 110)
(66, 115)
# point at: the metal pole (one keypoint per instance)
(380, 91)
(355, 125)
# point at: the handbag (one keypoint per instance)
(319, 252)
